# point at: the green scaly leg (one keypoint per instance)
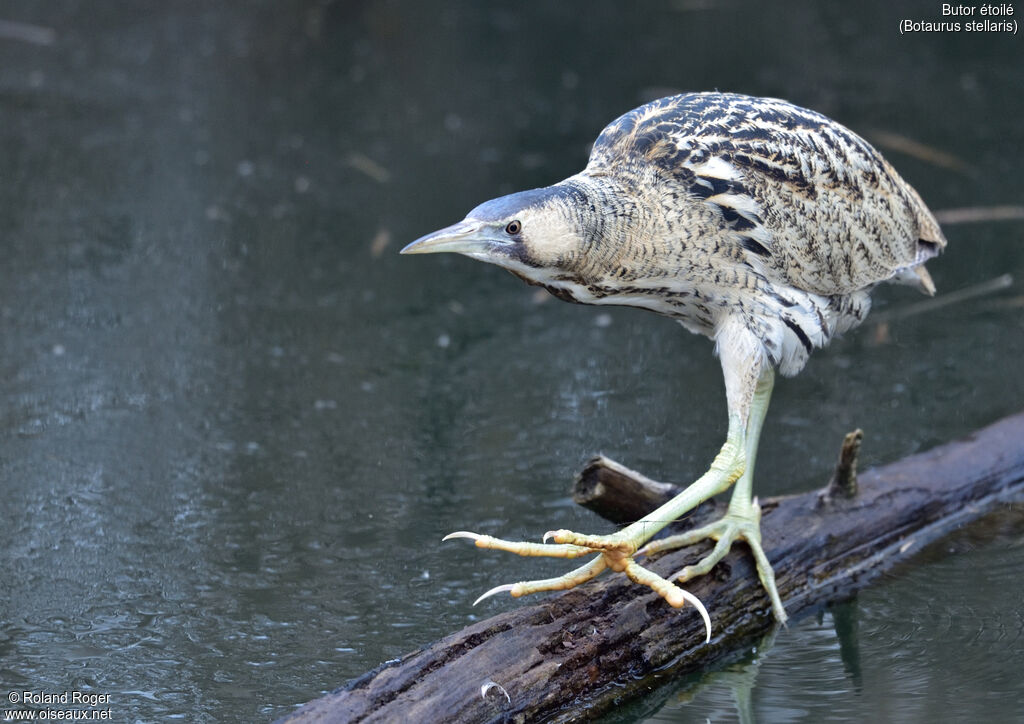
(742, 520)
(748, 382)
(616, 551)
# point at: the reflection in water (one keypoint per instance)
(905, 649)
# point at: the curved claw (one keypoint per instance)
(701, 610)
(462, 534)
(494, 591)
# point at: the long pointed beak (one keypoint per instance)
(465, 237)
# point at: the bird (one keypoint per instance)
(752, 221)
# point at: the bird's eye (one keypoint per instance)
(513, 228)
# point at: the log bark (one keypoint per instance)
(574, 655)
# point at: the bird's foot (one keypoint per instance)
(737, 524)
(613, 551)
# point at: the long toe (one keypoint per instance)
(721, 549)
(561, 583)
(522, 548)
(675, 596)
(732, 527)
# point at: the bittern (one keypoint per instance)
(752, 221)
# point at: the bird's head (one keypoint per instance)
(533, 234)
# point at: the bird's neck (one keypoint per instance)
(616, 220)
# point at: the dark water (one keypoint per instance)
(235, 424)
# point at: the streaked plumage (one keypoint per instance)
(750, 204)
(750, 220)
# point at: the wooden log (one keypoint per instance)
(621, 495)
(574, 655)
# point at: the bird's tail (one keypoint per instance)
(917, 277)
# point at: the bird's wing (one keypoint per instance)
(818, 207)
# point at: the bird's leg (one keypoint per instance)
(616, 551)
(748, 385)
(742, 520)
